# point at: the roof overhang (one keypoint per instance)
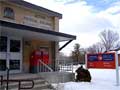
(34, 7)
(13, 29)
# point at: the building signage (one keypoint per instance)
(44, 23)
(101, 60)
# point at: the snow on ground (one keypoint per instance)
(102, 79)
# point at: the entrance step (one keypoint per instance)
(39, 84)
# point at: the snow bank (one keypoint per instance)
(87, 86)
(102, 79)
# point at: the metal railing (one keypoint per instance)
(66, 67)
(63, 66)
(2, 80)
(19, 81)
(44, 67)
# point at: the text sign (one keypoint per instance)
(101, 60)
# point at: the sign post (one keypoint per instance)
(86, 61)
(108, 60)
(117, 69)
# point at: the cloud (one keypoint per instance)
(80, 19)
(71, 1)
(65, 2)
(113, 10)
(113, 15)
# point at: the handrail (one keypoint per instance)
(26, 87)
(19, 82)
(15, 80)
(8, 73)
(1, 76)
(49, 68)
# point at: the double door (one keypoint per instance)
(10, 54)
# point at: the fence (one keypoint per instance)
(64, 66)
(60, 65)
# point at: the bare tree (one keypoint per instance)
(109, 39)
(95, 48)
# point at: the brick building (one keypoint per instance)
(26, 31)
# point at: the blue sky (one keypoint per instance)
(100, 5)
(84, 18)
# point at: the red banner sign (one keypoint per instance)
(101, 60)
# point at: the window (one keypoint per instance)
(15, 46)
(14, 64)
(2, 65)
(8, 13)
(3, 44)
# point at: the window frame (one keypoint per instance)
(9, 13)
(3, 45)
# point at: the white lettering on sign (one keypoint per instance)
(43, 22)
